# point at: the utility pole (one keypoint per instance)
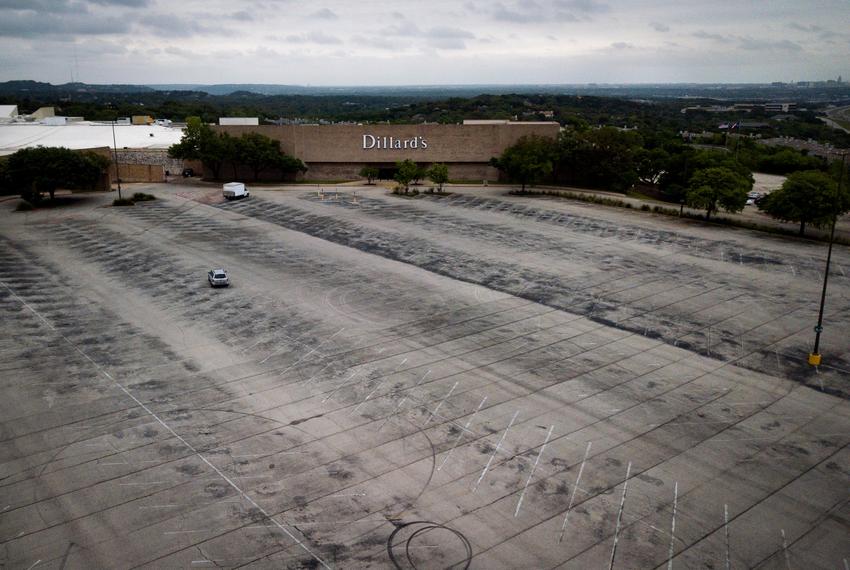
(115, 159)
(815, 356)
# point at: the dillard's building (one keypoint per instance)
(338, 152)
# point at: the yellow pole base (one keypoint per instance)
(814, 359)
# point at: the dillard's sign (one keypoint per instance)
(371, 141)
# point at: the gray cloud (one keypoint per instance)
(386, 40)
(800, 27)
(446, 43)
(532, 11)
(703, 35)
(584, 6)
(242, 16)
(122, 3)
(523, 12)
(180, 52)
(376, 42)
(316, 37)
(179, 25)
(446, 32)
(439, 37)
(402, 29)
(32, 25)
(324, 14)
(755, 44)
(813, 29)
(45, 7)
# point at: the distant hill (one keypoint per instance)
(387, 90)
(27, 87)
(811, 91)
(229, 88)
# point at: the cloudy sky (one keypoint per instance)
(382, 42)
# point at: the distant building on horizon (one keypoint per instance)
(8, 113)
(243, 121)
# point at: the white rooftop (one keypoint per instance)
(7, 111)
(86, 134)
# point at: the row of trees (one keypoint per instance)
(408, 172)
(34, 172)
(809, 197)
(711, 180)
(254, 151)
(611, 159)
(616, 160)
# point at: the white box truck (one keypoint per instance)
(233, 190)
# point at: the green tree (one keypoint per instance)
(200, 142)
(34, 171)
(258, 152)
(421, 172)
(369, 173)
(609, 156)
(788, 160)
(527, 161)
(598, 158)
(439, 174)
(406, 172)
(685, 161)
(718, 187)
(809, 197)
(650, 165)
(290, 165)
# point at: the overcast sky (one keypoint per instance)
(382, 42)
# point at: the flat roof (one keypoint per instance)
(81, 135)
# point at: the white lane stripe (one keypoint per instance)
(530, 475)
(495, 451)
(174, 433)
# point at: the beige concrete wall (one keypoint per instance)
(446, 143)
(140, 172)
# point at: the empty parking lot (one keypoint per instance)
(478, 380)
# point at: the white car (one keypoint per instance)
(218, 278)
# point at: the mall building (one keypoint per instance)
(339, 152)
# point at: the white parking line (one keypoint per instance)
(495, 451)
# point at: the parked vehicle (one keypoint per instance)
(234, 190)
(218, 278)
(188, 173)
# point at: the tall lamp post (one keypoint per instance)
(115, 159)
(815, 356)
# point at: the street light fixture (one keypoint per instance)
(115, 159)
(815, 356)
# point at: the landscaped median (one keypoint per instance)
(681, 212)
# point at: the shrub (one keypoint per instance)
(644, 207)
(123, 202)
(142, 197)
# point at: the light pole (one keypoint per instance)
(115, 159)
(814, 356)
